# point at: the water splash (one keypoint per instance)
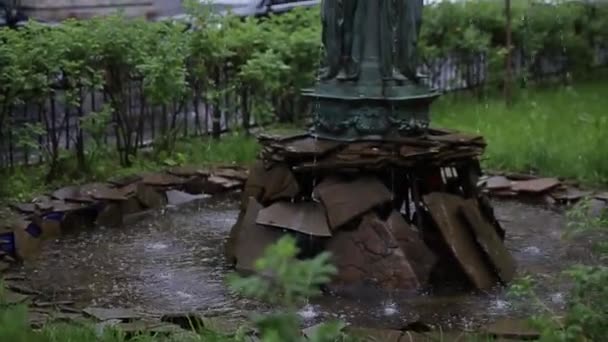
(308, 312)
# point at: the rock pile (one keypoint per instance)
(394, 213)
(72, 208)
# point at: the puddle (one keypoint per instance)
(172, 261)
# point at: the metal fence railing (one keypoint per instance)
(61, 122)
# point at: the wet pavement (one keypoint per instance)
(172, 261)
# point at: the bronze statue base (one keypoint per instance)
(396, 214)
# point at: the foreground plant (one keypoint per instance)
(284, 280)
(586, 314)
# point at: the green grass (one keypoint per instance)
(26, 182)
(554, 132)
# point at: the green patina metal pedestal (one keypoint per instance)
(377, 101)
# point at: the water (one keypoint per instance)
(172, 261)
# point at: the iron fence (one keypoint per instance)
(195, 117)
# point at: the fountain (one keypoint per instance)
(395, 201)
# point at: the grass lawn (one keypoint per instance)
(555, 131)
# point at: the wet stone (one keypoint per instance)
(251, 239)
(194, 185)
(490, 241)
(231, 173)
(215, 185)
(161, 180)
(445, 211)
(51, 229)
(110, 216)
(176, 197)
(4, 267)
(570, 194)
(513, 329)
(102, 314)
(189, 171)
(344, 201)
(12, 298)
(125, 181)
(310, 146)
(304, 217)
(103, 192)
(421, 258)
(498, 183)
(273, 184)
(150, 197)
(370, 255)
(25, 208)
(72, 194)
(535, 186)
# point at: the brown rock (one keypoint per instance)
(122, 182)
(71, 194)
(150, 197)
(370, 255)
(111, 215)
(161, 180)
(344, 201)
(445, 210)
(24, 208)
(498, 183)
(489, 240)
(189, 171)
(51, 229)
(513, 329)
(12, 298)
(231, 173)
(4, 267)
(304, 217)
(194, 185)
(78, 220)
(103, 192)
(535, 186)
(602, 196)
(251, 239)
(215, 185)
(418, 254)
(270, 185)
(570, 194)
(131, 205)
(27, 246)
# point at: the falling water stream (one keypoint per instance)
(172, 261)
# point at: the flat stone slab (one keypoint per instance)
(498, 182)
(103, 192)
(415, 249)
(176, 197)
(161, 180)
(304, 217)
(535, 186)
(189, 171)
(490, 242)
(570, 194)
(102, 314)
(445, 211)
(253, 239)
(217, 184)
(231, 173)
(71, 193)
(311, 146)
(150, 328)
(275, 183)
(345, 200)
(125, 181)
(4, 267)
(25, 208)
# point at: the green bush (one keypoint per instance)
(255, 66)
